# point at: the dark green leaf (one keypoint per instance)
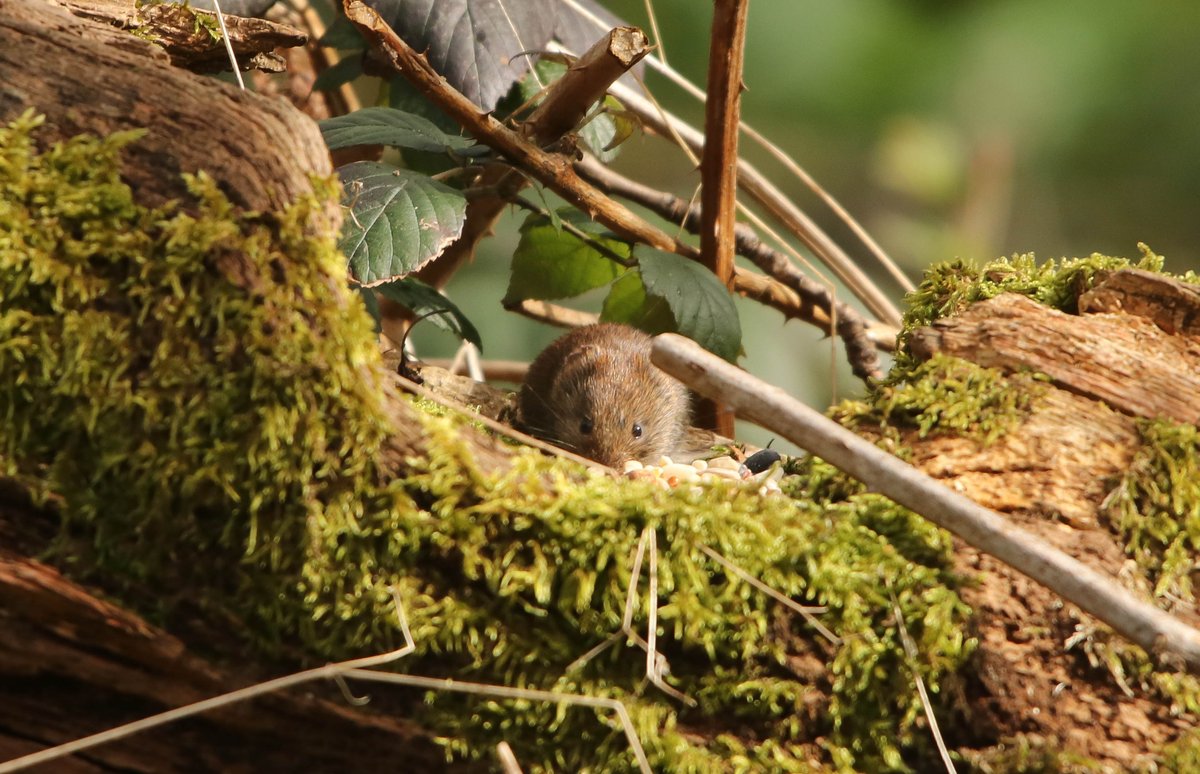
(399, 220)
(342, 35)
(551, 263)
(480, 47)
(702, 306)
(385, 126)
(628, 303)
(421, 299)
(343, 72)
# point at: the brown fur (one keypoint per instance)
(602, 374)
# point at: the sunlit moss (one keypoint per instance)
(1155, 508)
(204, 395)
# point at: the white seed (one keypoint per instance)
(724, 463)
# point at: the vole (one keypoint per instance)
(595, 392)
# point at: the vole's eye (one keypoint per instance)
(585, 426)
(637, 430)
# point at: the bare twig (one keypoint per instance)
(1155, 630)
(497, 370)
(508, 761)
(554, 314)
(718, 164)
(805, 611)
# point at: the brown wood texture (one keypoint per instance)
(193, 123)
(72, 664)
(192, 45)
(1124, 360)
(1169, 303)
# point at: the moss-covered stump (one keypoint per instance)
(1091, 476)
(199, 396)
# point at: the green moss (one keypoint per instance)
(203, 393)
(1155, 509)
(1183, 754)
(1028, 754)
(947, 395)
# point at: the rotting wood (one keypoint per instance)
(193, 123)
(1171, 304)
(1124, 360)
(189, 44)
(72, 664)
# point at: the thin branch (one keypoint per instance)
(806, 612)
(1158, 632)
(552, 170)
(718, 170)
(718, 165)
(554, 314)
(851, 325)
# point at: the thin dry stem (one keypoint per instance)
(529, 694)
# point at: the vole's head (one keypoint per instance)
(608, 402)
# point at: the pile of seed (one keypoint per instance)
(762, 470)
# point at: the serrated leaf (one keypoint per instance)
(399, 220)
(344, 71)
(551, 263)
(481, 47)
(421, 299)
(702, 306)
(386, 126)
(628, 303)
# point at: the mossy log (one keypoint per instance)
(204, 448)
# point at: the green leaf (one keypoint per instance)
(385, 126)
(421, 299)
(551, 263)
(702, 306)
(628, 303)
(399, 220)
(344, 71)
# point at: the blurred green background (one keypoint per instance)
(950, 129)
